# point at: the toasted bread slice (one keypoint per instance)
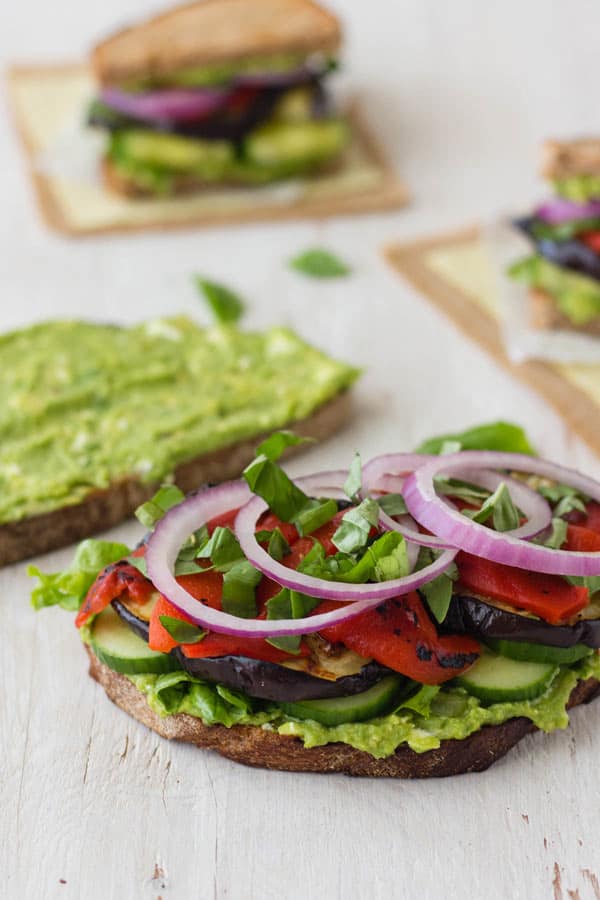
(545, 315)
(254, 746)
(104, 508)
(214, 31)
(561, 159)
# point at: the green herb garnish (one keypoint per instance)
(355, 527)
(153, 510)
(239, 583)
(182, 632)
(392, 504)
(499, 507)
(501, 436)
(353, 482)
(319, 263)
(226, 306)
(273, 446)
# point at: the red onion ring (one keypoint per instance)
(503, 547)
(245, 526)
(175, 104)
(176, 526)
(559, 210)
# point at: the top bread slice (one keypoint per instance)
(561, 159)
(214, 31)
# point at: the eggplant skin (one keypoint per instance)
(469, 615)
(260, 679)
(270, 681)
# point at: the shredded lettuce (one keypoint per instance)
(69, 587)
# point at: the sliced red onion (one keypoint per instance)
(503, 547)
(559, 210)
(181, 521)
(173, 104)
(245, 526)
(390, 464)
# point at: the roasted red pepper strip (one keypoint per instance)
(548, 596)
(399, 634)
(112, 582)
(592, 239)
(592, 518)
(582, 538)
(213, 644)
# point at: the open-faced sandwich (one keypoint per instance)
(218, 92)
(563, 274)
(94, 417)
(416, 616)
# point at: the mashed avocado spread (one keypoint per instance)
(577, 296)
(444, 714)
(83, 405)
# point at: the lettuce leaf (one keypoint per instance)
(69, 587)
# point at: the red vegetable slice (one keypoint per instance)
(399, 634)
(580, 537)
(213, 644)
(548, 596)
(112, 582)
(592, 239)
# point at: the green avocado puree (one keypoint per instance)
(83, 405)
(451, 714)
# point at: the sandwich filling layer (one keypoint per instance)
(415, 659)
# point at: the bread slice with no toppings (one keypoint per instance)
(102, 509)
(255, 746)
(214, 31)
(546, 315)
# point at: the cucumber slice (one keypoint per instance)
(497, 679)
(357, 708)
(115, 644)
(541, 653)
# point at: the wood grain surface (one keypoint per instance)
(93, 805)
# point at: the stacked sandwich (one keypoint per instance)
(218, 92)
(563, 275)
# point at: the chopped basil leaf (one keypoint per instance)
(591, 582)
(225, 305)
(278, 546)
(182, 632)
(565, 499)
(265, 478)
(239, 583)
(222, 548)
(189, 551)
(153, 510)
(355, 527)
(139, 563)
(312, 563)
(353, 482)
(314, 514)
(500, 508)
(392, 504)
(438, 591)
(288, 604)
(319, 263)
(558, 535)
(394, 565)
(289, 643)
(494, 436)
(462, 490)
(278, 442)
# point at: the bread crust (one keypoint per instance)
(546, 315)
(255, 746)
(561, 159)
(213, 31)
(102, 509)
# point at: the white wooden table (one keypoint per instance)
(93, 805)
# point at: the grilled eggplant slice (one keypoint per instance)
(264, 680)
(471, 615)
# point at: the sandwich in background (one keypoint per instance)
(563, 273)
(218, 92)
